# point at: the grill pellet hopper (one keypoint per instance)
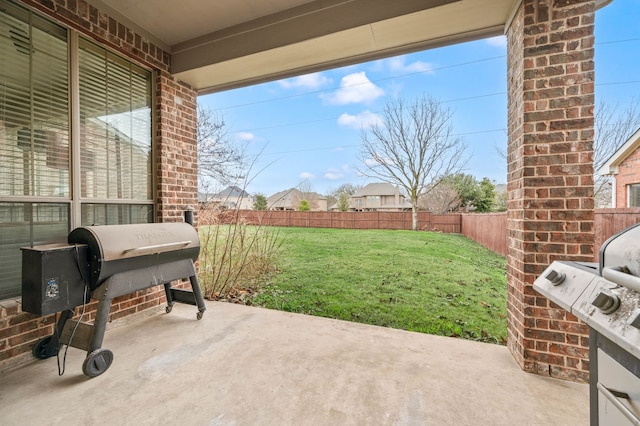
(102, 263)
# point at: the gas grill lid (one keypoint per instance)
(115, 242)
(622, 251)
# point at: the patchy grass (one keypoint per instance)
(420, 281)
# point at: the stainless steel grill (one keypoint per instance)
(104, 262)
(606, 296)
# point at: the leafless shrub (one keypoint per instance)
(235, 259)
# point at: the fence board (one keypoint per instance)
(608, 222)
(488, 229)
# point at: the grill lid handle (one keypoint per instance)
(158, 248)
(620, 275)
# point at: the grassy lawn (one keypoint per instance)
(420, 281)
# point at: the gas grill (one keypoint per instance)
(102, 263)
(606, 296)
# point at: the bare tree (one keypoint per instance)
(441, 200)
(218, 158)
(306, 189)
(413, 148)
(346, 190)
(612, 129)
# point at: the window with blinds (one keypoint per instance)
(34, 138)
(34, 107)
(115, 127)
(115, 141)
(38, 196)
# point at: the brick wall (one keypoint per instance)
(99, 26)
(175, 166)
(628, 174)
(176, 153)
(550, 81)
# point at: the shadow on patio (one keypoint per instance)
(245, 366)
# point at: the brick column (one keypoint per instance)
(550, 176)
(176, 159)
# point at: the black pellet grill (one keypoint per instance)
(606, 296)
(102, 263)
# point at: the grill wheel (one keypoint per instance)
(97, 362)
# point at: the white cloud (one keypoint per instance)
(360, 121)
(354, 88)
(245, 136)
(498, 41)
(306, 175)
(399, 64)
(333, 174)
(370, 162)
(308, 81)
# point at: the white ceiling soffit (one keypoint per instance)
(224, 44)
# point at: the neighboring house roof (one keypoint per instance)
(284, 198)
(228, 196)
(610, 167)
(382, 188)
(290, 198)
(232, 191)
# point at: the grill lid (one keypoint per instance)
(622, 251)
(115, 242)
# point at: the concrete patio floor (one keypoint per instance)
(250, 366)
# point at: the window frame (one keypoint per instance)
(633, 194)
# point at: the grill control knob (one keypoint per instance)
(606, 301)
(555, 277)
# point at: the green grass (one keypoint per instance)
(420, 281)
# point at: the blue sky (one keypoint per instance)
(307, 129)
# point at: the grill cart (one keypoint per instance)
(102, 263)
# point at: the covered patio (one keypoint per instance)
(243, 365)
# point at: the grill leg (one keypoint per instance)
(197, 294)
(170, 302)
(99, 325)
(50, 345)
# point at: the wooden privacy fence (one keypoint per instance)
(490, 229)
(609, 222)
(487, 229)
(449, 223)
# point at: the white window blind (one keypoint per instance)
(34, 138)
(115, 126)
(34, 102)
